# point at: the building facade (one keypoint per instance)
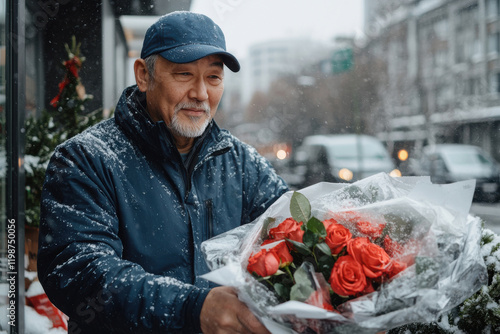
(270, 60)
(440, 71)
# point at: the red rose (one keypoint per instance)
(373, 230)
(373, 258)
(347, 277)
(283, 254)
(396, 267)
(337, 237)
(392, 247)
(264, 263)
(289, 229)
(329, 222)
(346, 216)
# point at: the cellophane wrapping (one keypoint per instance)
(435, 216)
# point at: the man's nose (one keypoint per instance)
(199, 90)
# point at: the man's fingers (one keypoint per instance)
(250, 322)
(223, 312)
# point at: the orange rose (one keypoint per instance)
(348, 215)
(289, 229)
(373, 258)
(329, 222)
(392, 247)
(347, 277)
(396, 267)
(337, 237)
(283, 254)
(374, 230)
(264, 263)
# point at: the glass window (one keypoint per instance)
(349, 151)
(493, 42)
(493, 8)
(467, 34)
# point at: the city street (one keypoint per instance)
(490, 213)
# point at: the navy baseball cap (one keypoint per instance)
(183, 37)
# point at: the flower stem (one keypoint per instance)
(315, 258)
(287, 269)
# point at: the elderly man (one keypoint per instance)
(127, 203)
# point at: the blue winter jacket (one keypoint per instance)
(123, 218)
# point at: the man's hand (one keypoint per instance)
(223, 312)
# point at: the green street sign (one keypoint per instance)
(342, 60)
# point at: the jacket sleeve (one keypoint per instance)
(262, 186)
(80, 261)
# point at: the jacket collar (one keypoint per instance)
(154, 138)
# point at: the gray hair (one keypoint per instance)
(150, 65)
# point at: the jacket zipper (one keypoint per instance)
(210, 223)
(192, 165)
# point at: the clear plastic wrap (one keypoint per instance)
(448, 267)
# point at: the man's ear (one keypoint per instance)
(141, 74)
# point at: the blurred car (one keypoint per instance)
(447, 163)
(340, 158)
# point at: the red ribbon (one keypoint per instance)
(72, 66)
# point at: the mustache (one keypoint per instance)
(193, 105)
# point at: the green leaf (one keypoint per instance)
(282, 291)
(325, 265)
(265, 227)
(354, 191)
(310, 239)
(303, 286)
(323, 247)
(300, 247)
(317, 227)
(300, 208)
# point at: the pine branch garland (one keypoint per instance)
(67, 117)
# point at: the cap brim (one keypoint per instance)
(189, 53)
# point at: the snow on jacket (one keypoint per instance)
(123, 219)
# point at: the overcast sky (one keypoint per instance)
(246, 22)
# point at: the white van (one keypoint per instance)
(341, 158)
(447, 163)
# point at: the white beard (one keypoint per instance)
(196, 126)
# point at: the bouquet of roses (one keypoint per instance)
(363, 257)
(297, 258)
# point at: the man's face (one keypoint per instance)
(186, 96)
